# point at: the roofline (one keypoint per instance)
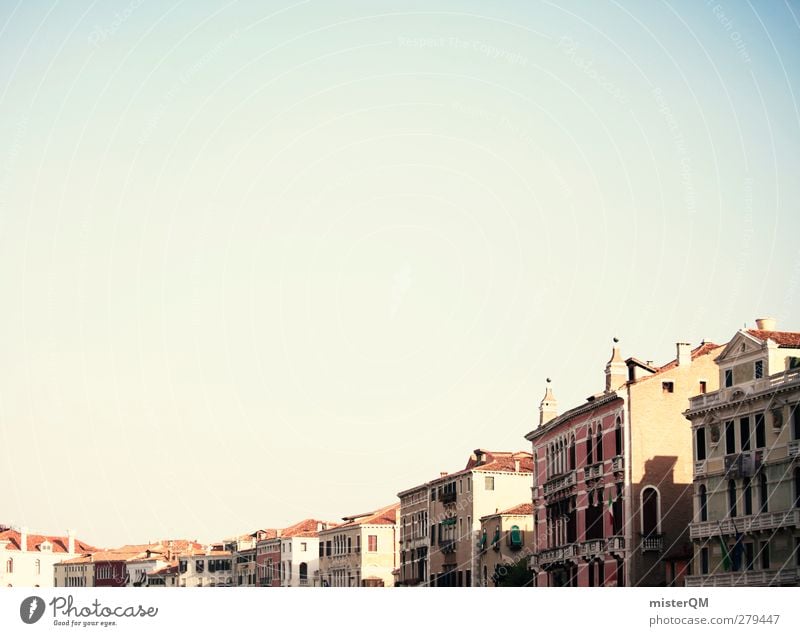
(573, 412)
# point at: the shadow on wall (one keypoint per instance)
(662, 512)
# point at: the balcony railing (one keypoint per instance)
(550, 556)
(748, 578)
(447, 546)
(618, 464)
(616, 544)
(590, 549)
(594, 471)
(751, 523)
(448, 497)
(305, 583)
(653, 543)
(562, 482)
(793, 448)
(747, 388)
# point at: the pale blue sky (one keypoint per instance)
(264, 262)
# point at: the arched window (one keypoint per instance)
(618, 436)
(703, 503)
(572, 452)
(651, 514)
(37, 567)
(731, 498)
(303, 572)
(599, 447)
(10, 566)
(589, 447)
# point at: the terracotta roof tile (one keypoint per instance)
(60, 544)
(521, 509)
(782, 338)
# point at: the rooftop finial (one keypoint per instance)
(616, 340)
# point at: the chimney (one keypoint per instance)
(616, 370)
(516, 465)
(765, 324)
(443, 473)
(548, 407)
(71, 541)
(684, 353)
(479, 456)
(23, 539)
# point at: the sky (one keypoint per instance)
(263, 261)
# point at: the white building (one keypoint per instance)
(27, 560)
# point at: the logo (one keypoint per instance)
(31, 609)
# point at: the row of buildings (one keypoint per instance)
(685, 473)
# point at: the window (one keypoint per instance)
(704, 561)
(749, 555)
(730, 438)
(599, 453)
(650, 511)
(38, 567)
(590, 447)
(744, 433)
(761, 431)
(303, 547)
(748, 497)
(703, 386)
(668, 387)
(10, 566)
(489, 484)
(703, 503)
(759, 370)
(765, 555)
(303, 571)
(700, 444)
(731, 498)
(372, 543)
(797, 487)
(795, 421)
(728, 377)
(200, 566)
(618, 436)
(572, 453)
(764, 494)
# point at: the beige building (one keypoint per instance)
(361, 552)
(612, 489)
(505, 540)
(448, 553)
(746, 526)
(206, 568)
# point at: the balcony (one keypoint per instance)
(748, 578)
(595, 471)
(618, 464)
(448, 497)
(562, 482)
(793, 448)
(593, 548)
(766, 521)
(572, 551)
(615, 544)
(447, 546)
(545, 557)
(653, 543)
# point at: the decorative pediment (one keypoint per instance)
(742, 344)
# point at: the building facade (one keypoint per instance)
(361, 552)
(746, 441)
(505, 541)
(414, 542)
(28, 560)
(612, 484)
(291, 558)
